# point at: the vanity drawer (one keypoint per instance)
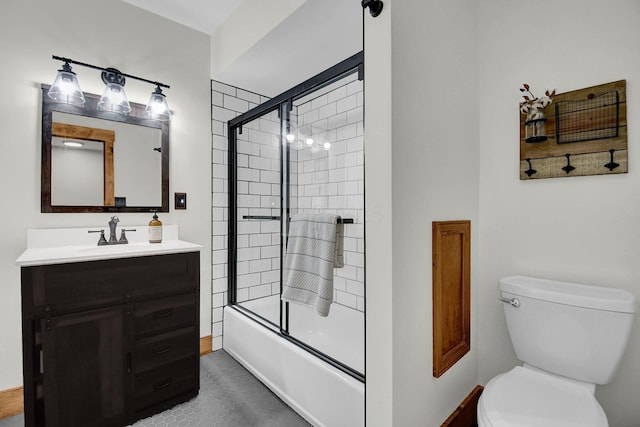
(82, 285)
(165, 313)
(165, 383)
(158, 350)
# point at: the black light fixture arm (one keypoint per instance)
(375, 6)
(108, 70)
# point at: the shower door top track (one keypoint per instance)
(314, 83)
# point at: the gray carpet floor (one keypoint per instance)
(229, 397)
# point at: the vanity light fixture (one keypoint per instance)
(66, 89)
(114, 98)
(157, 107)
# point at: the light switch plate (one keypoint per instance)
(180, 201)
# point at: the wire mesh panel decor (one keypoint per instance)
(588, 119)
(587, 135)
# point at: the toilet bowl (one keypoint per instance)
(570, 337)
(524, 397)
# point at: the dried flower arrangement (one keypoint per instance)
(532, 106)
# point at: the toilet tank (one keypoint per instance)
(577, 331)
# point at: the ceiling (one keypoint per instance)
(316, 36)
(202, 15)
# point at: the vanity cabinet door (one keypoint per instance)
(84, 368)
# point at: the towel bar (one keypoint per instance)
(277, 218)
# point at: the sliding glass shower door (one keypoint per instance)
(301, 152)
(326, 160)
(257, 187)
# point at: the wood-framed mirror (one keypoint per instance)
(98, 161)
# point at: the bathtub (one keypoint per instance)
(319, 392)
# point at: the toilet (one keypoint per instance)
(569, 337)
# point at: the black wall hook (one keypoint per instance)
(375, 6)
(530, 171)
(568, 168)
(611, 165)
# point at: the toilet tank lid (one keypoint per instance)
(595, 297)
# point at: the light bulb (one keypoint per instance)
(75, 144)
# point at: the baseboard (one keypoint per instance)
(11, 402)
(465, 413)
(206, 345)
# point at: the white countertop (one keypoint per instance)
(58, 246)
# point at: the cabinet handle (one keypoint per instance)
(165, 384)
(162, 350)
(161, 314)
(129, 362)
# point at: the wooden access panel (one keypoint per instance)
(451, 293)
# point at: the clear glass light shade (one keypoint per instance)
(65, 88)
(157, 107)
(114, 99)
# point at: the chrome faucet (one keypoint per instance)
(113, 240)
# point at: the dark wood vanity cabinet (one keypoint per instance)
(108, 342)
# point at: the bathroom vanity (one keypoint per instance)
(110, 334)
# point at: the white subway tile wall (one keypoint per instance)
(258, 183)
(321, 180)
(256, 174)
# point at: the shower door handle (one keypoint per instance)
(513, 301)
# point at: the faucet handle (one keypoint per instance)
(123, 238)
(102, 241)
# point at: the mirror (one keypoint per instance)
(98, 161)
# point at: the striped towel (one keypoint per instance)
(314, 249)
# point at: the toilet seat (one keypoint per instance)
(523, 397)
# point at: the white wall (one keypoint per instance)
(234, 37)
(114, 34)
(582, 229)
(378, 216)
(80, 169)
(432, 164)
(299, 38)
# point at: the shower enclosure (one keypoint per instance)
(301, 152)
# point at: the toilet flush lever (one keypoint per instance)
(513, 301)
